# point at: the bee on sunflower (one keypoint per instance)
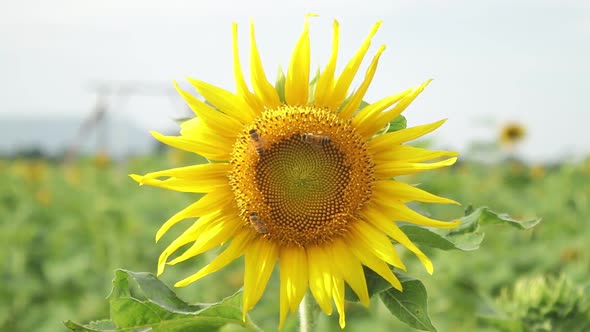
(300, 174)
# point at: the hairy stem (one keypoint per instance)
(307, 313)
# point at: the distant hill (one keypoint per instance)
(53, 134)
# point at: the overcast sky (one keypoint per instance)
(492, 61)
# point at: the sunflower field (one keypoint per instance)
(66, 228)
(313, 189)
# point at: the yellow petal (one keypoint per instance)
(376, 122)
(241, 86)
(320, 277)
(200, 171)
(206, 148)
(410, 154)
(209, 203)
(384, 223)
(389, 189)
(233, 251)
(297, 82)
(227, 102)
(351, 270)
(262, 88)
(325, 83)
(399, 211)
(196, 234)
(293, 280)
(376, 242)
(387, 141)
(260, 259)
(338, 296)
(396, 168)
(348, 73)
(368, 112)
(366, 256)
(187, 237)
(294, 274)
(357, 97)
(196, 129)
(221, 123)
(212, 235)
(204, 185)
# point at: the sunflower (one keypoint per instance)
(302, 175)
(512, 133)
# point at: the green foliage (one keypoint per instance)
(280, 85)
(362, 105)
(396, 124)
(543, 304)
(313, 84)
(410, 304)
(468, 235)
(375, 284)
(421, 235)
(157, 308)
(63, 230)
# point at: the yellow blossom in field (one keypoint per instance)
(176, 156)
(102, 160)
(537, 172)
(32, 171)
(512, 133)
(72, 174)
(43, 197)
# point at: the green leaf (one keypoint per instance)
(487, 216)
(89, 328)
(410, 305)
(103, 324)
(158, 309)
(420, 235)
(280, 84)
(375, 284)
(230, 307)
(120, 285)
(396, 124)
(183, 120)
(468, 235)
(312, 86)
(502, 324)
(158, 293)
(363, 105)
(81, 328)
(129, 312)
(466, 240)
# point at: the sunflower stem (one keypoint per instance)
(308, 311)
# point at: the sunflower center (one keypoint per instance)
(300, 175)
(514, 133)
(302, 183)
